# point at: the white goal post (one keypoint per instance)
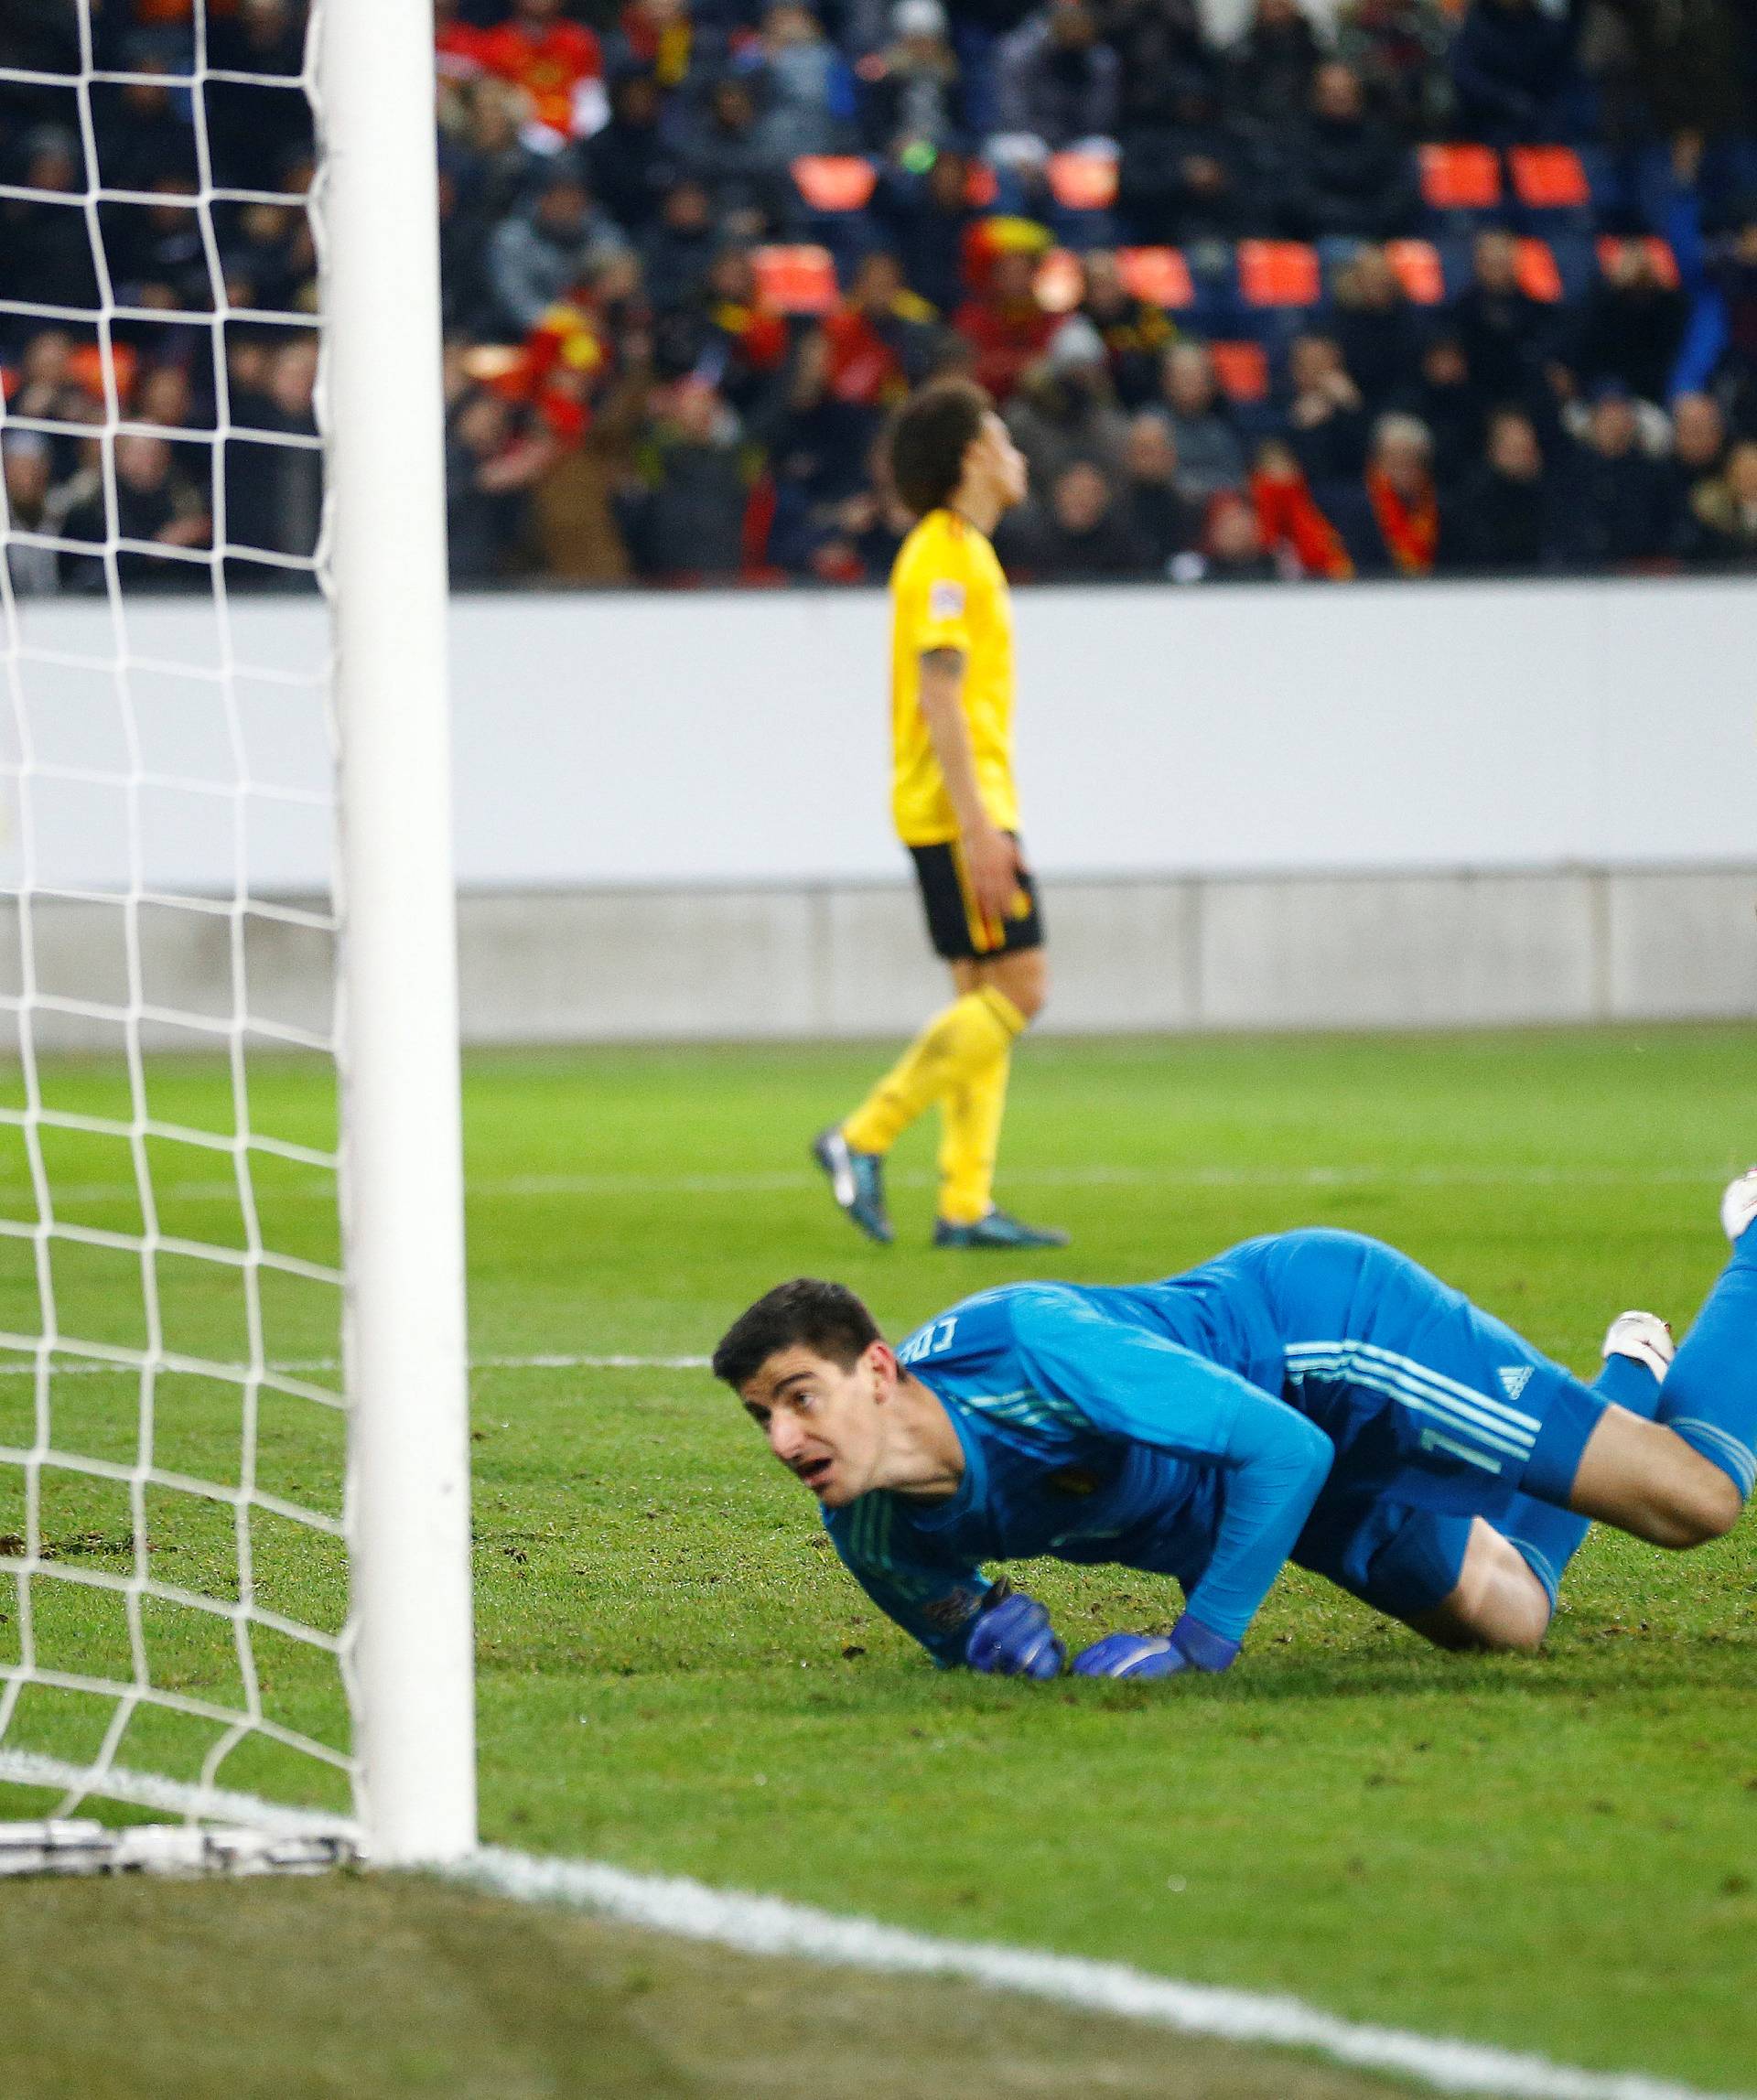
(93, 1389)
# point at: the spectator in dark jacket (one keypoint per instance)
(1503, 521)
(925, 218)
(629, 162)
(1374, 328)
(1698, 453)
(1210, 454)
(685, 523)
(1506, 334)
(540, 255)
(1723, 515)
(909, 92)
(1088, 536)
(45, 251)
(1328, 422)
(1513, 70)
(154, 503)
(1270, 71)
(1167, 518)
(1058, 81)
(1619, 498)
(1187, 176)
(727, 153)
(1633, 327)
(1441, 394)
(1345, 175)
(1133, 331)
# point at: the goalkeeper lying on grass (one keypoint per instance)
(1312, 1395)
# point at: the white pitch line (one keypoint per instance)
(84, 1367)
(781, 1181)
(770, 1925)
(172, 1796)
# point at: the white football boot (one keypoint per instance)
(1645, 1337)
(1739, 1205)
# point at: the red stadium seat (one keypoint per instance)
(981, 186)
(1158, 275)
(1549, 177)
(1279, 274)
(1460, 177)
(86, 365)
(1538, 276)
(835, 181)
(1416, 266)
(1243, 371)
(1082, 181)
(1060, 283)
(1658, 250)
(795, 280)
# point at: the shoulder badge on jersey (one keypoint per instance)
(945, 601)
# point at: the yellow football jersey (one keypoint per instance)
(947, 591)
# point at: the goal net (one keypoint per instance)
(231, 1442)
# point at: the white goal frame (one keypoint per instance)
(411, 1677)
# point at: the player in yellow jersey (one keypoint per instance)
(955, 809)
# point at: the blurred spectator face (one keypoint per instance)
(1630, 268)
(1313, 362)
(687, 209)
(1190, 380)
(163, 397)
(293, 376)
(1400, 451)
(26, 476)
(695, 410)
(877, 282)
(1012, 276)
(536, 14)
(564, 206)
(948, 182)
(143, 464)
(1071, 27)
(51, 164)
(919, 25)
(1336, 94)
(1514, 450)
(732, 275)
(790, 24)
(1496, 260)
(1613, 429)
(1744, 244)
(1276, 16)
(1697, 431)
(496, 110)
(635, 101)
(1104, 288)
(614, 278)
(247, 365)
(1371, 282)
(1080, 497)
(45, 359)
(732, 106)
(1276, 462)
(173, 215)
(1150, 451)
(483, 425)
(1741, 476)
(146, 100)
(1232, 535)
(1443, 363)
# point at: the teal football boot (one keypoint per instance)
(857, 1181)
(998, 1229)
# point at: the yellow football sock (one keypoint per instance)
(970, 1140)
(956, 1046)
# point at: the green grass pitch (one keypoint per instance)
(1556, 1853)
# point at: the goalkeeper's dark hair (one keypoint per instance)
(928, 438)
(825, 1318)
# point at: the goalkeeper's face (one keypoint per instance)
(825, 1423)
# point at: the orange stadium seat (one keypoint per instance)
(1243, 371)
(1082, 181)
(795, 280)
(1659, 253)
(1538, 276)
(1279, 274)
(1060, 283)
(1549, 177)
(835, 181)
(1460, 177)
(1416, 266)
(1158, 275)
(981, 186)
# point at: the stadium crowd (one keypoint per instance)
(1342, 288)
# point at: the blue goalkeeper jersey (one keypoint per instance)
(1137, 1425)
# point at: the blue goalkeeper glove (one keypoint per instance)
(1190, 1647)
(1013, 1638)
